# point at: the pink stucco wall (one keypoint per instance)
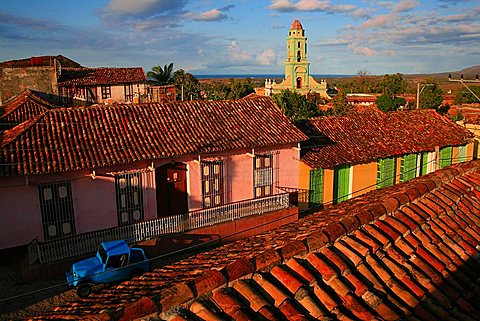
(94, 199)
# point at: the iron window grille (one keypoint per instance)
(128, 91)
(129, 198)
(213, 187)
(106, 92)
(56, 207)
(263, 175)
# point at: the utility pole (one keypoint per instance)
(462, 81)
(419, 91)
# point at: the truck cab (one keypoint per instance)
(115, 261)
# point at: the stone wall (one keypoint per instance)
(14, 80)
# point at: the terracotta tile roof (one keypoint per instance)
(366, 136)
(409, 251)
(296, 25)
(90, 137)
(101, 76)
(22, 107)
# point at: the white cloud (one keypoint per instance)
(379, 21)
(237, 54)
(310, 5)
(362, 50)
(405, 5)
(211, 15)
(267, 57)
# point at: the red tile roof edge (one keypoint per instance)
(184, 293)
(16, 102)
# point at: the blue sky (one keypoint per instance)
(231, 37)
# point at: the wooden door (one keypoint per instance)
(171, 182)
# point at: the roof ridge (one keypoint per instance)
(19, 130)
(184, 292)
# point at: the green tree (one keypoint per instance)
(215, 90)
(161, 76)
(431, 96)
(394, 84)
(239, 88)
(464, 96)
(386, 103)
(188, 84)
(295, 106)
(341, 106)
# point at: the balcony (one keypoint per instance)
(44, 252)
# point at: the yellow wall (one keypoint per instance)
(364, 178)
(304, 179)
(327, 186)
(470, 150)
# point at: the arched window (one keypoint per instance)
(299, 56)
(299, 82)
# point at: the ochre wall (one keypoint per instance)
(327, 186)
(364, 178)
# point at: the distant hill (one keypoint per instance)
(468, 73)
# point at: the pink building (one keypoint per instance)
(71, 171)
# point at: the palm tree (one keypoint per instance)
(161, 77)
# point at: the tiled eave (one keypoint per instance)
(364, 137)
(78, 138)
(404, 252)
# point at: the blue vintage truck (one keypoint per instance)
(115, 261)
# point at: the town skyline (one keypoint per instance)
(246, 37)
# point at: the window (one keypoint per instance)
(128, 91)
(263, 175)
(56, 207)
(117, 261)
(315, 196)
(445, 156)
(299, 56)
(106, 92)
(212, 184)
(386, 172)
(129, 197)
(298, 45)
(408, 167)
(341, 183)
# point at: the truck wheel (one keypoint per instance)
(84, 290)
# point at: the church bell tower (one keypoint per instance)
(296, 64)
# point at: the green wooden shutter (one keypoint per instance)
(424, 161)
(462, 154)
(409, 167)
(386, 172)
(315, 196)
(445, 156)
(341, 183)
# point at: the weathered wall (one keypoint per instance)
(14, 80)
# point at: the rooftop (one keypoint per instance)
(101, 76)
(40, 61)
(296, 25)
(362, 137)
(23, 107)
(67, 139)
(409, 251)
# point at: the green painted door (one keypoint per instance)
(424, 161)
(341, 183)
(386, 172)
(409, 167)
(462, 154)
(445, 156)
(315, 196)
